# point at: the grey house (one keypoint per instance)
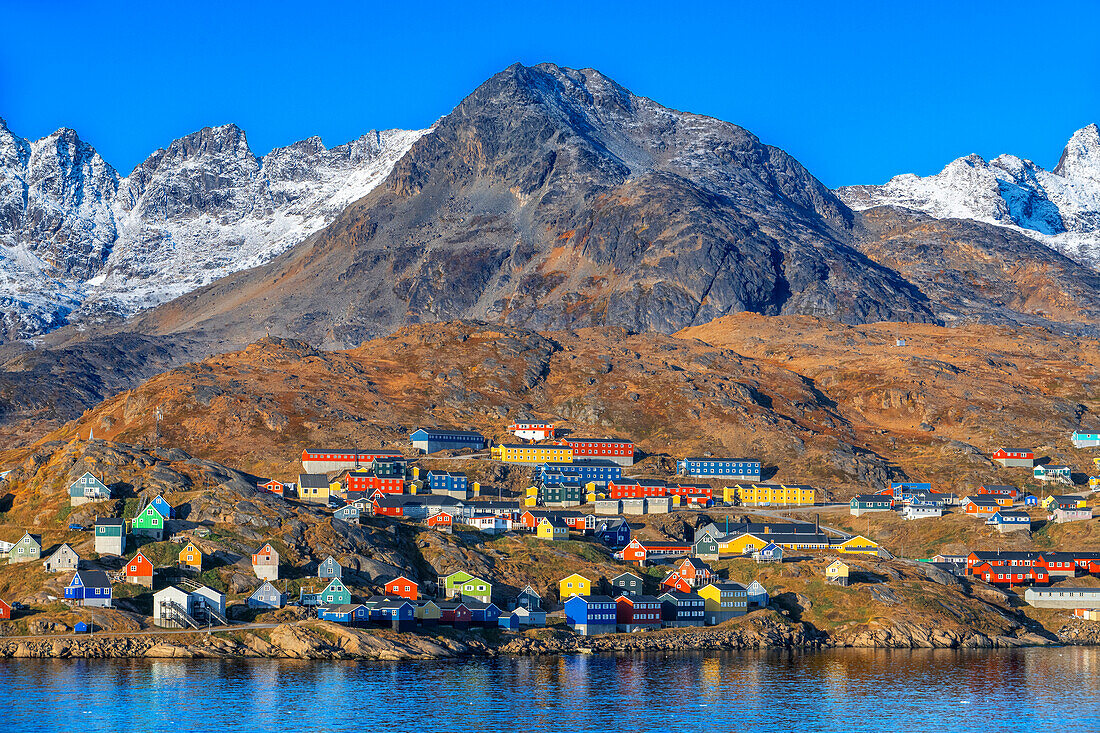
(267, 597)
(87, 488)
(627, 583)
(29, 547)
(64, 558)
(330, 569)
(110, 536)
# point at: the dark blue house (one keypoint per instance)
(447, 481)
(429, 440)
(613, 533)
(397, 613)
(902, 489)
(745, 469)
(483, 614)
(162, 506)
(349, 614)
(599, 470)
(591, 614)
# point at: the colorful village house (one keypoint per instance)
(483, 614)
(403, 587)
(63, 559)
(28, 548)
(267, 597)
(528, 598)
(149, 523)
(274, 487)
(86, 489)
(1085, 440)
(139, 570)
(1056, 472)
(265, 563)
(770, 552)
(617, 450)
(627, 583)
(744, 469)
(1014, 458)
(695, 571)
(330, 568)
(837, 572)
(574, 585)
(89, 588)
(454, 613)
(1061, 515)
(5, 609)
(858, 545)
(532, 454)
(335, 593)
(427, 612)
(724, 601)
(162, 506)
(314, 488)
(776, 495)
(705, 546)
(982, 506)
(613, 533)
(110, 536)
(867, 503)
(346, 614)
(188, 603)
(553, 529)
(1010, 521)
(637, 613)
(588, 615)
(190, 557)
(675, 581)
(398, 614)
(757, 595)
(680, 609)
(443, 521)
(431, 440)
(325, 460)
(532, 430)
(348, 513)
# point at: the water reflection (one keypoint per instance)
(841, 690)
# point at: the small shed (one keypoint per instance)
(82, 627)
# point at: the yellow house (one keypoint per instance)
(776, 495)
(552, 529)
(837, 572)
(314, 487)
(531, 500)
(574, 585)
(858, 545)
(191, 557)
(475, 488)
(741, 544)
(522, 453)
(723, 601)
(1094, 481)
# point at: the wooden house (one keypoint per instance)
(396, 613)
(454, 613)
(265, 563)
(867, 503)
(335, 592)
(86, 489)
(27, 549)
(62, 559)
(427, 613)
(274, 487)
(314, 488)
(190, 557)
(5, 609)
(149, 523)
(346, 614)
(1009, 575)
(588, 615)
(110, 536)
(627, 583)
(1061, 515)
(139, 570)
(982, 506)
(432, 440)
(330, 568)
(1055, 472)
(723, 601)
(403, 587)
(89, 588)
(705, 546)
(529, 599)
(161, 505)
(675, 581)
(637, 613)
(858, 545)
(680, 608)
(483, 614)
(757, 595)
(442, 521)
(770, 552)
(1014, 457)
(1006, 520)
(574, 585)
(553, 529)
(695, 571)
(837, 572)
(267, 597)
(348, 513)
(463, 585)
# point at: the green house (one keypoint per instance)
(705, 547)
(476, 589)
(564, 494)
(110, 536)
(149, 523)
(29, 547)
(335, 593)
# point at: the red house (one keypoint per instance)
(441, 520)
(692, 492)
(696, 572)
(5, 609)
(366, 481)
(638, 551)
(386, 505)
(675, 581)
(1008, 457)
(997, 490)
(139, 570)
(530, 520)
(637, 612)
(402, 587)
(1008, 575)
(273, 486)
(613, 449)
(636, 489)
(456, 614)
(323, 460)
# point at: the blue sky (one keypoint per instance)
(857, 91)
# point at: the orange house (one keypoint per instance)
(403, 588)
(140, 571)
(441, 520)
(675, 581)
(5, 609)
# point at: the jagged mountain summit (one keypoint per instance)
(1060, 208)
(555, 198)
(77, 240)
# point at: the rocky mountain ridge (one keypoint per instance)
(1060, 208)
(79, 241)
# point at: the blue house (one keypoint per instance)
(348, 513)
(483, 614)
(529, 599)
(446, 481)
(903, 489)
(162, 506)
(746, 469)
(508, 620)
(349, 614)
(89, 588)
(1030, 500)
(1007, 520)
(613, 533)
(429, 440)
(588, 615)
(330, 568)
(1085, 440)
(599, 471)
(398, 613)
(267, 597)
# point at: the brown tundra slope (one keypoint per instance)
(837, 406)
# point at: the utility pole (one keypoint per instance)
(159, 415)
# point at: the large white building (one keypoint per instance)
(176, 606)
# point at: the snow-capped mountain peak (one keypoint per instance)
(1060, 208)
(76, 239)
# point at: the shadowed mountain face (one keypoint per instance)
(555, 198)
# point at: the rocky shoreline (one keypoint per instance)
(325, 640)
